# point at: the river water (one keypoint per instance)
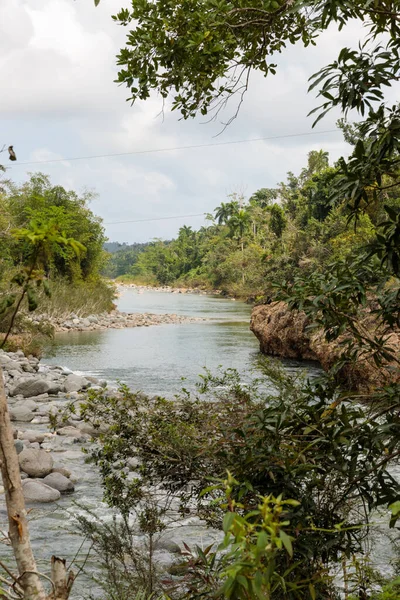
(154, 360)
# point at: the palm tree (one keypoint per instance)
(226, 211)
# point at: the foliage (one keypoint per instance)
(186, 47)
(304, 441)
(128, 569)
(49, 238)
(38, 201)
(39, 241)
(121, 259)
(279, 233)
(202, 52)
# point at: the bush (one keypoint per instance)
(301, 442)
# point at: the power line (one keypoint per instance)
(261, 139)
(155, 219)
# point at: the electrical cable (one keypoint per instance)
(153, 151)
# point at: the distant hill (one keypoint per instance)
(113, 247)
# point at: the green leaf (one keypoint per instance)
(286, 541)
(228, 521)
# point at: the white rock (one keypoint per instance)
(35, 462)
(37, 491)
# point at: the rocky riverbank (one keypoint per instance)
(284, 333)
(36, 395)
(112, 320)
(52, 464)
(167, 289)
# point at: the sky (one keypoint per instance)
(59, 101)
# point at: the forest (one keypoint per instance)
(298, 475)
(52, 231)
(251, 245)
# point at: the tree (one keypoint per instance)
(277, 222)
(224, 212)
(263, 197)
(201, 52)
(318, 160)
(40, 201)
(28, 585)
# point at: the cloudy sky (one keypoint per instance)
(58, 101)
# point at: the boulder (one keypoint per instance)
(75, 383)
(21, 413)
(35, 462)
(59, 482)
(34, 386)
(285, 333)
(165, 544)
(59, 468)
(31, 436)
(27, 367)
(38, 491)
(71, 432)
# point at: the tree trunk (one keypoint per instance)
(62, 582)
(29, 579)
(18, 526)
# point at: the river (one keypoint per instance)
(154, 360)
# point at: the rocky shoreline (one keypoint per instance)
(113, 320)
(52, 463)
(167, 289)
(37, 394)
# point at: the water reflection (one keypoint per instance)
(154, 359)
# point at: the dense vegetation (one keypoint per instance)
(310, 467)
(307, 467)
(50, 241)
(275, 235)
(121, 257)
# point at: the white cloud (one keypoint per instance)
(60, 100)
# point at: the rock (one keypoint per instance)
(19, 446)
(59, 468)
(133, 463)
(14, 374)
(40, 420)
(39, 398)
(37, 463)
(70, 432)
(75, 383)
(27, 367)
(169, 545)
(59, 482)
(20, 413)
(37, 491)
(29, 403)
(31, 436)
(31, 387)
(282, 332)
(8, 364)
